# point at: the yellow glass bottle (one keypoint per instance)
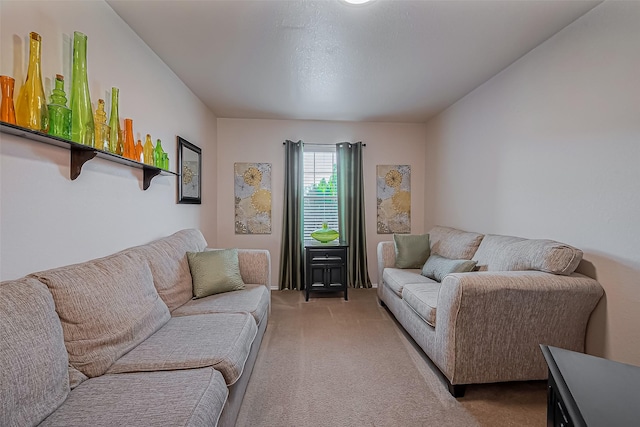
(148, 151)
(31, 106)
(102, 128)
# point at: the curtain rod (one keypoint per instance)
(324, 145)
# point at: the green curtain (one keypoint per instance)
(291, 249)
(351, 221)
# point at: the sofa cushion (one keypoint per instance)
(411, 250)
(167, 258)
(193, 397)
(437, 267)
(397, 278)
(423, 300)
(254, 299)
(219, 340)
(107, 306)
(33, 359)
(214, 272)
(507, 253)
(454, 244)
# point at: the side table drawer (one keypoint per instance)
(316, 253)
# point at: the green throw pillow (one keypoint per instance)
(214, 272)
(437, 267)
(412, 250)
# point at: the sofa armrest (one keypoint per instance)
(386, 257)
(255, 266)
(500, 318)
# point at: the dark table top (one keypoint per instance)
(606, 393)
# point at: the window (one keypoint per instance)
(320, 188)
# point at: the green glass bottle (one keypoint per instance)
(59, 113)
(82, 127)
(114, 122)
(31, 106)
(157, 155)
(165, 161)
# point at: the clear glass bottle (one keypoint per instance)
(59, 113)
(114, 122)
(120, 144)
(102, 128)
(148, 151)
(8, 111)
(31, 106)
(82, 127)
(139, 152)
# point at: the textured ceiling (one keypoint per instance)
(397, 61)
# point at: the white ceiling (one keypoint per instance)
(394, 61)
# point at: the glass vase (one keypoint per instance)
(114, 122)
(82, 127)
(59, 113)
(31, 106)
(7, 112)
(325, 234)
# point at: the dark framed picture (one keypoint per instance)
(190, 169)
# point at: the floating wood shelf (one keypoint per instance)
(80, 154)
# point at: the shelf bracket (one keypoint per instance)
(147, 176)
(79, 157)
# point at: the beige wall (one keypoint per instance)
(550, 148)
(48, 220)
(241, 140)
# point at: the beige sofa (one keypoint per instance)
(486, 326)
(118, 341)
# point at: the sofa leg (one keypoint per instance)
(382, 304)
(456, 390)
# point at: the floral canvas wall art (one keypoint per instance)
(252, 182)
(394, 198)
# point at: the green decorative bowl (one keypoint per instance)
(325, 234)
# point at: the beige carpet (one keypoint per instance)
(330, 362)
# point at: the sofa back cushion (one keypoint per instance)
(33, 358)
(106, 306)
(452, 243)
(167, 258)
(508, 253)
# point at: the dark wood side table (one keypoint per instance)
(590, 391)
(325, 267)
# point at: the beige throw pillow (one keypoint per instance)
(438, 267)
(412, 250)
(214, 272)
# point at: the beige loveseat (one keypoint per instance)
(119, 341)
(486, 326)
